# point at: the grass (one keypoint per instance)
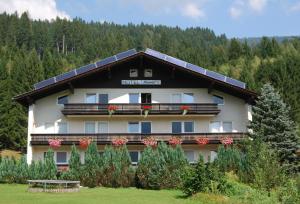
(17, 194)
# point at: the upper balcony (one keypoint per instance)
(140, 109)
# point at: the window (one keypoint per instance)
(218, 100)
(227, 126)
(146, 98)
(190, 156)
(91, 98)
(145, 127)
(62, 99)
(188, 127)
(103, 98)
(62, 127)
(176, 127)
(61, 157)
(90, 127)
(215, 126)
(133, 73)
(148, 73)
(134, 98)
(188, 98)
(49, 128)
(133, 127)
(103, 127)
(134, 156)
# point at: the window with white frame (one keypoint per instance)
(102, 127)
(133, 127)
(61, 158)
(182, 127)
(91, 98)
(215, 126)
(90, 127)
(188, 126)
(62, 99)
(62, 127)
(218, 99)
(227, 126)
(133, 73)
(190, 156)
(176, 127)
(134, 156)
(134, 98)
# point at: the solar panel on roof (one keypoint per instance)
(44, 83)
(195, 68)
(125, 54)
(106, 61)
(235, 82)
(65, 75)
(85, 68)
(215, 75)
(176, 61)
(155, 54)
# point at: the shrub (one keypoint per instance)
(289, 192)
(203, 178)
(229, 159)
(74, 172)
(49, 169)
(161, 168)
(22, 171)
(7, 170)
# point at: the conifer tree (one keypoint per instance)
(49, 167)
(272, 124)
(91, 166)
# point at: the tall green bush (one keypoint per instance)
(74, 172)
(91, 166)
(49, 167)
(7, 170)
(229, 159)
(22, 171)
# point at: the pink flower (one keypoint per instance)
(146, 107)
(226, 140)
(54, 143)
(119, 141)
(112, 107)
(202, 140)
(184, 107)
(174, 141)
(84, 142)
(150, 141)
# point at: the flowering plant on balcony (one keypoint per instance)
(202, 140)
(185, 109)
(226, 140)
(85, 142)
(174, 141)
(146, 109)
(150, 141)
(119, 141)
(112, 109)
(55, 142)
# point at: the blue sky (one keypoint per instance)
(235, 18)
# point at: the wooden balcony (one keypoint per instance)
(138, 109)
(188, 138)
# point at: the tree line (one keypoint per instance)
(32, 50)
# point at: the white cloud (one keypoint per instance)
(235, 12)
(193, 11)
(37, 9)
(295, 7)
(257, 5)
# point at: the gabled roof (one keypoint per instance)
(49, 85)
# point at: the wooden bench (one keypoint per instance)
(54, 186)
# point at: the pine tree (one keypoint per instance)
(49, 167)
(272, 124)
(91, 166)
(74, 172)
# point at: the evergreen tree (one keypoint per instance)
(91, 166)
(49, 167)
(272, 124)
(74, 172)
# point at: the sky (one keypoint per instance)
(235, 18)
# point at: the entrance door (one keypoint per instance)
(146, 98)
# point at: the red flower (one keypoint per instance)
(84, 142)
(174, 141)
(112, 107)
(202, 140)
(146, 107)
(226, 140)
(54, 143)
(184, 107)
(150, 141)
(119, 141)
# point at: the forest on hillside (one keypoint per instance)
(31, 51)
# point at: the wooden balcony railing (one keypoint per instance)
(188, 138)
(137, 109)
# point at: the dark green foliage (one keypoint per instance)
(203, 178)
(22, 171)
(49, 166)
(91, 166)
(7, 170)
(229, 159)
(161, 168)
(272, 124)
(75, 168)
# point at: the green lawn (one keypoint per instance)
(17, 194)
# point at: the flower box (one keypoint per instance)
(226, 140)
(150, 141)
(174, 141)
(202, 140)
(112, 109)
(184, 109)
(119, 141)
(84, 142)
(54, 143)
(146, 109)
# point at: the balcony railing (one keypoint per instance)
(138, 109)
(188, 138)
